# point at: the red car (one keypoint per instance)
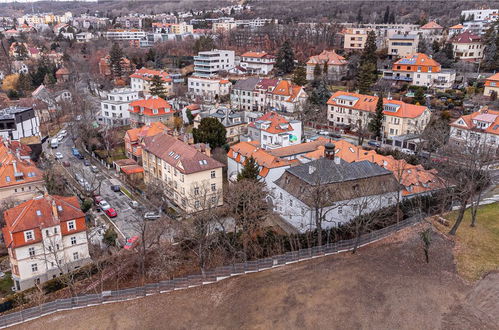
(98, 199)
(111, 213)
(131, 242)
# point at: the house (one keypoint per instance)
(420, 70)
(19, 122)
(355, 110)
(336, 65)
(84, 37)
(431, 28)
(455, 30)
(355, 39)
(400, 45)
(62, 75)
(262, 94)
(149, 110)
(191, 178)
(352, 189)
(480, 127)
(242, 93)
(468, 46)
(478, 14)
(129, 22)
(141, 79)
(46, 237)
(210, 89)
(20, 179)
(208, 64)
(257, 62)
(115, 108)
(105, 66)
(172, 28)
(233, 121)
(287, 97)
(273, 131)
(491, 85)
(134, 136)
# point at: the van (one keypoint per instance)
(54, 143)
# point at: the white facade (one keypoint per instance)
(234, 168)
(255, 64)
(209, 89)
(17, 123)
(478, 14)
(114, 110)
(468, 51)
(125, 34)
(209, 63)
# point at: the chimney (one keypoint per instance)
(329, 150)
(14, 164)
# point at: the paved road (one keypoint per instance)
(128, 219)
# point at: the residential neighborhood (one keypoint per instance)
(272, 159)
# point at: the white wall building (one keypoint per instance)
(478, 14)
(114, 109)
(19, 122)
(207, 64)
(209, 89)
(257, 62)
(132, 34)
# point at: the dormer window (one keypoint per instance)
(71, 225)
(38, 212)
(29, 235)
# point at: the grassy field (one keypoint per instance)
(476, 250)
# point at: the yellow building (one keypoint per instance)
(355, 39)
(491, 85)
(190, 177)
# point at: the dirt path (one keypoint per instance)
(385, 286)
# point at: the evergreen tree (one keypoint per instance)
(317, 72)
(285, 61)
(24, 83)
(422, 46)
(157, 87)
(490, 53)
(369, 52)
(300, 76)
(49, 80)
(359, 15)
(249, 171)
(376, 123)
(493, 96)
(325, 70)
(386, 18)
(115, 58)
(419, 97)
(392, 18)
(151, 55)
(435, 46)
(365, 78)
(190, 116)
(210, 131)
(321, 93)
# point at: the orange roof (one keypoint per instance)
(273, 123)
(224, 81)
(255, 54)
(132, 169)
(457, 27)
(287, 88)
(494, 77)
(10, 165)
(415, 62)
(431, 25)
(147, 74)
(327, 56)
(147, 130)
(149, 104)
(261, 156)
(484, 115)
(368, 103)
(62, 71)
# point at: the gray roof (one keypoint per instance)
(9, 113)
(246, 84)
(326, 171)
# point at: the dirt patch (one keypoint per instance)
(385, 286)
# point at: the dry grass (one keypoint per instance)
(476, 249)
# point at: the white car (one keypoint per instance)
(60, 138)
(63, 132)
(104, 205)
(58, 155)
(408, 151)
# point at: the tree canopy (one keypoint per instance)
(286, 58)
(250, 170)
(376, 123)
(157, 87)
(210, 131)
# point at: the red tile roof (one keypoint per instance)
(431, 25)
(491, 117)
(415, 62)
(147, 74)
(10, 165)
(276, 123)
(328, 56)
(466, 38)
(150, 104)
(147, 130)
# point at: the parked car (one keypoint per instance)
(60, 138)
(94, 169)
(151, 216)
(111, 213)
(131, 242)
(134, 204)
(98, 199)
(335, 135)
(115, 188)
(373, 143)
(104, 205)
(66, 164)
(323, 133)
(86, 162)
(408, 151)
(63, 132)
(76, 153)
(59, 155)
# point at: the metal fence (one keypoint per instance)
(210, 276)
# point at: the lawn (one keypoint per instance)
(476, 250)
(5, 284)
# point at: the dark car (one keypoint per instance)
(335, 135)
(373, 143)
(86, 162)
(66, 164)
(116, 188)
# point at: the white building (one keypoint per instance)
(207, 64)
(119, 34)
(257, 62)
(273, 131)
(478, 14)
(45, 237)
(141, 79)
(468, 46)
(114, 109)
(352, 189)
(19, 122)
(481, 127)
(210, 89)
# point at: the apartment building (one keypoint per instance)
(480, 127)
(220, 27)
(172, 28)
(421, 70)
(400, 45)
(354, 38)
(19, 122)
(129, 22)
(134, 137)
(115, 108)
(45, 237)
(209, 63)
(44, 18)
(468, 46)
(149, 110)
(191, 178)
(242, 93)
(257, 62)
(355, 110)
(210, 89)
(141, 79)
(336, 65)
(478, 14)
(20, 179)
(491, 85)
(273, 131)
(125, 34)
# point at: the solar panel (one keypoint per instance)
(348, 98)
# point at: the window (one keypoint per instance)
(57, 247)
(73, 240)
(213, 200)
(29, 235)
(75, 256)
(196, 191)
(31, 251)
(213, 187)
(47, 232)
(212, 174)
(290, 202)
(389, 200)
(340, 210)
(71, 225)
(34, 268)
(55, 230)
(197, 204)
